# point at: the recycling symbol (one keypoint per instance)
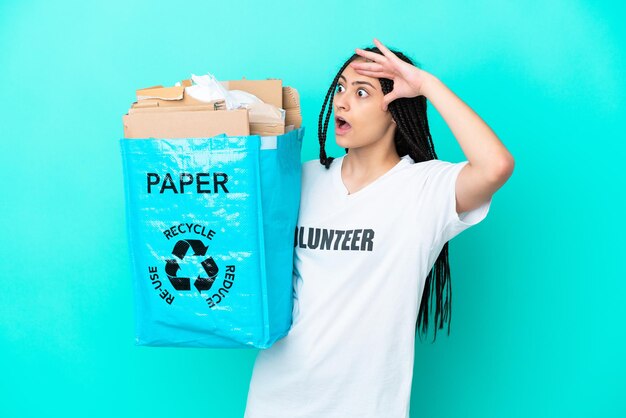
(184, 283)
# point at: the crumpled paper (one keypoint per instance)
(207, 88)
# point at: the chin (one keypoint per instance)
(342, 143)
(346, 140)
(349, 143)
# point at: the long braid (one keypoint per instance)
(321, 130)
(412, 137)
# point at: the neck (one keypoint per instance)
(363, 163)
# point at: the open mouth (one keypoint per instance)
(341, 125)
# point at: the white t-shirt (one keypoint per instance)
(360, 263)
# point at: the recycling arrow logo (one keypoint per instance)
(180, 251)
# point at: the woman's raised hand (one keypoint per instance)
(408, 80)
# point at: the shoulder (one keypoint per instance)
(313, 170)
(434, 167)
(314, 166)
(434, 174)
(434, 164)
(431, 167)
(309, 167)
(316, 161)
(310, 163)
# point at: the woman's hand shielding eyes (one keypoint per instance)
(408, 80)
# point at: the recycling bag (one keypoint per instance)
(210, 226)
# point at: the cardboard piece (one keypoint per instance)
(186, 124)
(291, 104)
(269, 90)
(167, 112)
(215, 105)
(159, 92)
(159, 96)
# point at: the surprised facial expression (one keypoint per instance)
(357, 102)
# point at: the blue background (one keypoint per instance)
(538, 287)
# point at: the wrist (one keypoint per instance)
(428, 84)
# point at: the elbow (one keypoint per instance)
(503, 169)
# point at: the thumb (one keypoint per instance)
(388, 98)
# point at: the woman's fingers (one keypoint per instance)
(384, 49)
(377, 74)
(367, 66)
(386, 53)
(369, 54)
(375, 67)
(382, 66)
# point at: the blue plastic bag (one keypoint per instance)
(210, 226)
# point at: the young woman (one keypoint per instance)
(371, 242)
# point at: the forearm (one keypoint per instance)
(479, 143)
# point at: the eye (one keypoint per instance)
(363, 90)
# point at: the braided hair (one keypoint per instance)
(412, 137)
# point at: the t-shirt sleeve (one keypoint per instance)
(440, 191)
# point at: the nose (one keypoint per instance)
(340, 102)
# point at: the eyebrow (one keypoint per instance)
(359, 82)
